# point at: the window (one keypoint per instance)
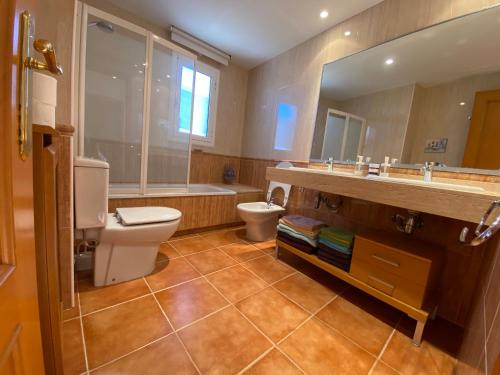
(204, 108)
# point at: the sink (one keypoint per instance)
(322, 171)
(442, 185)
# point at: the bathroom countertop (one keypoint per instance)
(453, 203)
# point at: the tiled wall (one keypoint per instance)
(481, 346)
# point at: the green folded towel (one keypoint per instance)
(341, 236)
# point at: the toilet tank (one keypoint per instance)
(91, 193)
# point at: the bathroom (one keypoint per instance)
(213, 187)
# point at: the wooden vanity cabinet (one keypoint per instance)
(400, 266)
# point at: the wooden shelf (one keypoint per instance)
(413, 312)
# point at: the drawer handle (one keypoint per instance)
(389, 286)
(390, 262)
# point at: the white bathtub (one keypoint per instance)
(119, 191)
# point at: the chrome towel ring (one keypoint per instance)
(482, 235)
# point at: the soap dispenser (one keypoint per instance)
(358, 168)
(330, 164)
(385, 167)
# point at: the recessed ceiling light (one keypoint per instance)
(158, 80)
(144, 64)
(347, 33)
(135, 65)
(461, 104)
(323, 14)
(157, 90)
(168, 75)
(140, 71)
(389, 61)
(114, 77)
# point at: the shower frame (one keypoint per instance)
(78, 111)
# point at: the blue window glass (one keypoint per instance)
(201, 102)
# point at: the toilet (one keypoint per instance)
(261, 218)
(129, 239)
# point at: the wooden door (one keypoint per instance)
(483, 143)
(20, 339)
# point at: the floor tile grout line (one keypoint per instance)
(173, 329)
(290, 359)
(84, 344)
(131, 352)
(255, 361)
(115, 305)
(386, 344)
(306, 320)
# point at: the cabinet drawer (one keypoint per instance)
(389, 283)
(400, 263)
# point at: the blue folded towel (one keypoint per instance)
(335, 246)
(284, 228)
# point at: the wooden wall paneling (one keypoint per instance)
(47, 255)
(64, 172)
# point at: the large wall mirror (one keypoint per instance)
(433, 95)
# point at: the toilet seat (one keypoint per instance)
(146, 215)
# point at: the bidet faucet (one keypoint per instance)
(270, 202)
(427, 171)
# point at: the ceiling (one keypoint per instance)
(443, 53)
(251, 31)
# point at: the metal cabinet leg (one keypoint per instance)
(419, 330)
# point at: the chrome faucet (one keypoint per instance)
(427, 171)
(270, 203)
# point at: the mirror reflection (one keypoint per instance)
(430, 96)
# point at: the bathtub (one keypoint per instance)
(120, 190)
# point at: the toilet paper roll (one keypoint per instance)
(43, 113)
(44, 99)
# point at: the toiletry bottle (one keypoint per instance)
(358, 168)
(330, 164)
(385, 167)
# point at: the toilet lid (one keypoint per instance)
(146, 215)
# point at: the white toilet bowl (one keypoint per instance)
(127, 252)
(261, 218)
(128, 241)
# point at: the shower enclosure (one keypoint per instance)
(135, 104)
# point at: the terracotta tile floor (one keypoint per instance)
(216, 304)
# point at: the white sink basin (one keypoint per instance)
(322, 171)
(442, 185)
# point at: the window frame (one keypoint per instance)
(214, 74)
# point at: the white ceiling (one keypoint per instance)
(452, 50)
(252, 31)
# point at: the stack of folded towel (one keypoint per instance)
(300, 232)
(335, 247)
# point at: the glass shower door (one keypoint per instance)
(115, 59)
(170, 112)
